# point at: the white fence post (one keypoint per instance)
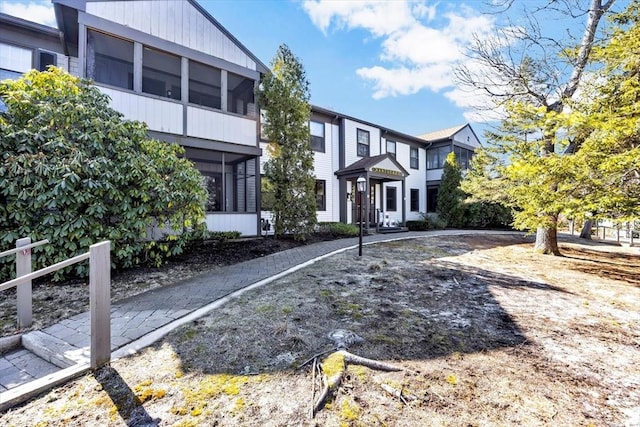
(100, 303)
(23, 292)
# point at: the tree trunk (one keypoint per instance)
(547, 241)
(586, 230)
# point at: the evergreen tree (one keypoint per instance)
(529, 78)
(450, 197)
(285, 98)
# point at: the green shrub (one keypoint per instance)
(223, 236)
(75, 172)
(427, 222)
(338, 229)
(487, 215)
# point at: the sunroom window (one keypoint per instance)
(161, 73)
(240, 96)
(205, 85)
(109, 60)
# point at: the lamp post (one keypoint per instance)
(361, 181)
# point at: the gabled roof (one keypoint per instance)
(262, 68)
(6, 19)
(438, 135)
(367, 165)
(383, 130)
(67, 20)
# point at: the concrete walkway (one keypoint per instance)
(138, 321)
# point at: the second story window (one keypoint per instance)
(317, 136)
(205, 85)
(110, 60)
(437, 156)
(161, 74)
(363, 143)
(240, 95)
(391, 148)
(414, 160)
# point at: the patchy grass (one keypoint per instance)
(489, 333)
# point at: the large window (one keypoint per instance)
(391, 148)
(391, 198)
(240, 96)
(213, 184)
(414, 160)
(437, 156)
(205, 85)
(267, 194)
(110, 60)
(415, 200)
(317, 136)
(241, 183)
(432, 198)
(363, 142)
(463, 156)
(161, 73)
(231, 186)
(321, 195)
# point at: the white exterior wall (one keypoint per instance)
(434, 174)
(416, 180)
(467, 137)
(159, 115)
(214, 125)
(15, 58)
(162, 18)
(351, 140)
(324, 168)
(20, 59)
(244, 223)
(74, 66)
(324, 165)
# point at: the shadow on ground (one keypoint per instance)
(613, 266)
(401, 298)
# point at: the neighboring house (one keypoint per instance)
(395, 166)
(171, 65)
(462, 140)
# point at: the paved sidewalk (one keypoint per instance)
(140, 320)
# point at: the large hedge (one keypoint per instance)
(75, 172)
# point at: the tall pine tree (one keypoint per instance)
(450, 196)
(285, 99)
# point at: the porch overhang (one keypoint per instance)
(383, 168)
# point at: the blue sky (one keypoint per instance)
(386, 62)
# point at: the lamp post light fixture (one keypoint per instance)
(360, 182)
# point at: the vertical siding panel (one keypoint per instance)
(177, 19)
(217, 49)
(208, 37)
(152, 13)
(186, 23)
(193, 28)
(169, 21)
(160, 10)
(201, 26)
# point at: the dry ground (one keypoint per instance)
(488, 333)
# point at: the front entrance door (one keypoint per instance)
(357, 211)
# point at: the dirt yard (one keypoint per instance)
(486, 333)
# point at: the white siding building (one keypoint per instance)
(171, 65)
(394, 165)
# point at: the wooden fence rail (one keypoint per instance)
(99, 256)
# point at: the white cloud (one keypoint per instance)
(419, 47)
(36, 11)
(405, 80)
(380, 18)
